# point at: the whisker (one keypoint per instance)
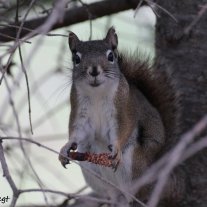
(111, 74)
(108, 76)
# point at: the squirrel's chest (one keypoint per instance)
(101, 114)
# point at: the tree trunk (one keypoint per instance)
(184, 46)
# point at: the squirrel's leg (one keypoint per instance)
(118, 141)
(80, 135)
(114, 148)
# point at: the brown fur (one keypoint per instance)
(159, 88)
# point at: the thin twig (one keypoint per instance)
(28, 92)
(11, 101)
(24, 70)
(56, 16)
(70, 196)
(16, 43)
(33, 89)
(7, 175)
(30, 30)
(196, 20)
(48, 114)
(90, 17)
(153, 4)
(28, 89)
(13, 38)
(194, 148)
(138, 7)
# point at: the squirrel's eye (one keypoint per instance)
(110, 56)
(77, 58)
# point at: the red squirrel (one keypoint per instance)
(119, 105)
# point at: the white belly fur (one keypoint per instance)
(101, 118)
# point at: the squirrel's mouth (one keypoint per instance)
(95, 83)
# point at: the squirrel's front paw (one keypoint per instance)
(64, 152)
(115, 156)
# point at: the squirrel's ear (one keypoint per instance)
(73, 40)
(112, 38)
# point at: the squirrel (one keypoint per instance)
(120, 105)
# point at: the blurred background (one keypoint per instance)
(47, 60)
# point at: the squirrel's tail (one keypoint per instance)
(158, 85)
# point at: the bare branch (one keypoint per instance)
(72, 16)
(17, 192)
(23, 67)
(13, 38)
(6, 173)
(162, 169)
(202, 11)
(153, 5)
(17, 38)
(86, 168)
(70, 196)
(13, 107)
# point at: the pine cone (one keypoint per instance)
(99, 159)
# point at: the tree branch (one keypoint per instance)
(72, 16)
(86, 168)
(7, 175)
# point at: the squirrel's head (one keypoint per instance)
(95, 62)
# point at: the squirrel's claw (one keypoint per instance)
(110, 147)
(63, 157)
(115, 164)
(64, 153)
(115, 156)
(65, 162)
(114, 152)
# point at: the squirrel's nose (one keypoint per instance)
(94, 71)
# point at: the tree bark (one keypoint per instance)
(183, 45)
